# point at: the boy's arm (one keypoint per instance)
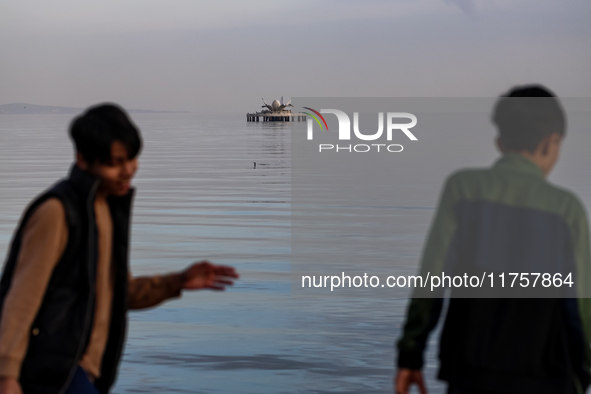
(422, 317)
(44, 240)
(423, 313)
(148, 291)
(582, 255)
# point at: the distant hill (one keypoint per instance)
(22, 108)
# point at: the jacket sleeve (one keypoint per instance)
(582, 257)
(148, 291)
(43, 242)
(423, 313)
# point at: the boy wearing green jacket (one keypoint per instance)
(508, 218)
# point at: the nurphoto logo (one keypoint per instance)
(345, 130)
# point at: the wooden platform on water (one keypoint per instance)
(275, 116)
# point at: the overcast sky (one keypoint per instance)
(228, 54)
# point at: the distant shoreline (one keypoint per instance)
(32, 109)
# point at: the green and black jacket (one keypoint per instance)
(507, 218)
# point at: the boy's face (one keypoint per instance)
(116, 173)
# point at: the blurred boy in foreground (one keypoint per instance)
(508, 218)
(66, 287)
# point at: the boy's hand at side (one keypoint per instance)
(405, 378)
(205, 275)
(10, 386)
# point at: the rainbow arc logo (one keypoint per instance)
(315, 118)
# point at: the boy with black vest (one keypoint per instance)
(66, 288)
(508, 218)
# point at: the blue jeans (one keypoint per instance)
(80, 384)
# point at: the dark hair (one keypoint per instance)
(526, 115)
(95, 130)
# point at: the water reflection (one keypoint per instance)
(200, 197)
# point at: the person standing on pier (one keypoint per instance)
(66, 288)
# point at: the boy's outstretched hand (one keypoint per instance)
(205, 275)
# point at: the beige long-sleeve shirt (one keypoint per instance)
(43, 242)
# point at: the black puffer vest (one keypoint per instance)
(61, 329)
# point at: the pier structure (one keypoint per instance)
(275, 112)
(272, 116)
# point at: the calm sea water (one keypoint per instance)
(199, 197)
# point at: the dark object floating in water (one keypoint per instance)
(260, 164)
